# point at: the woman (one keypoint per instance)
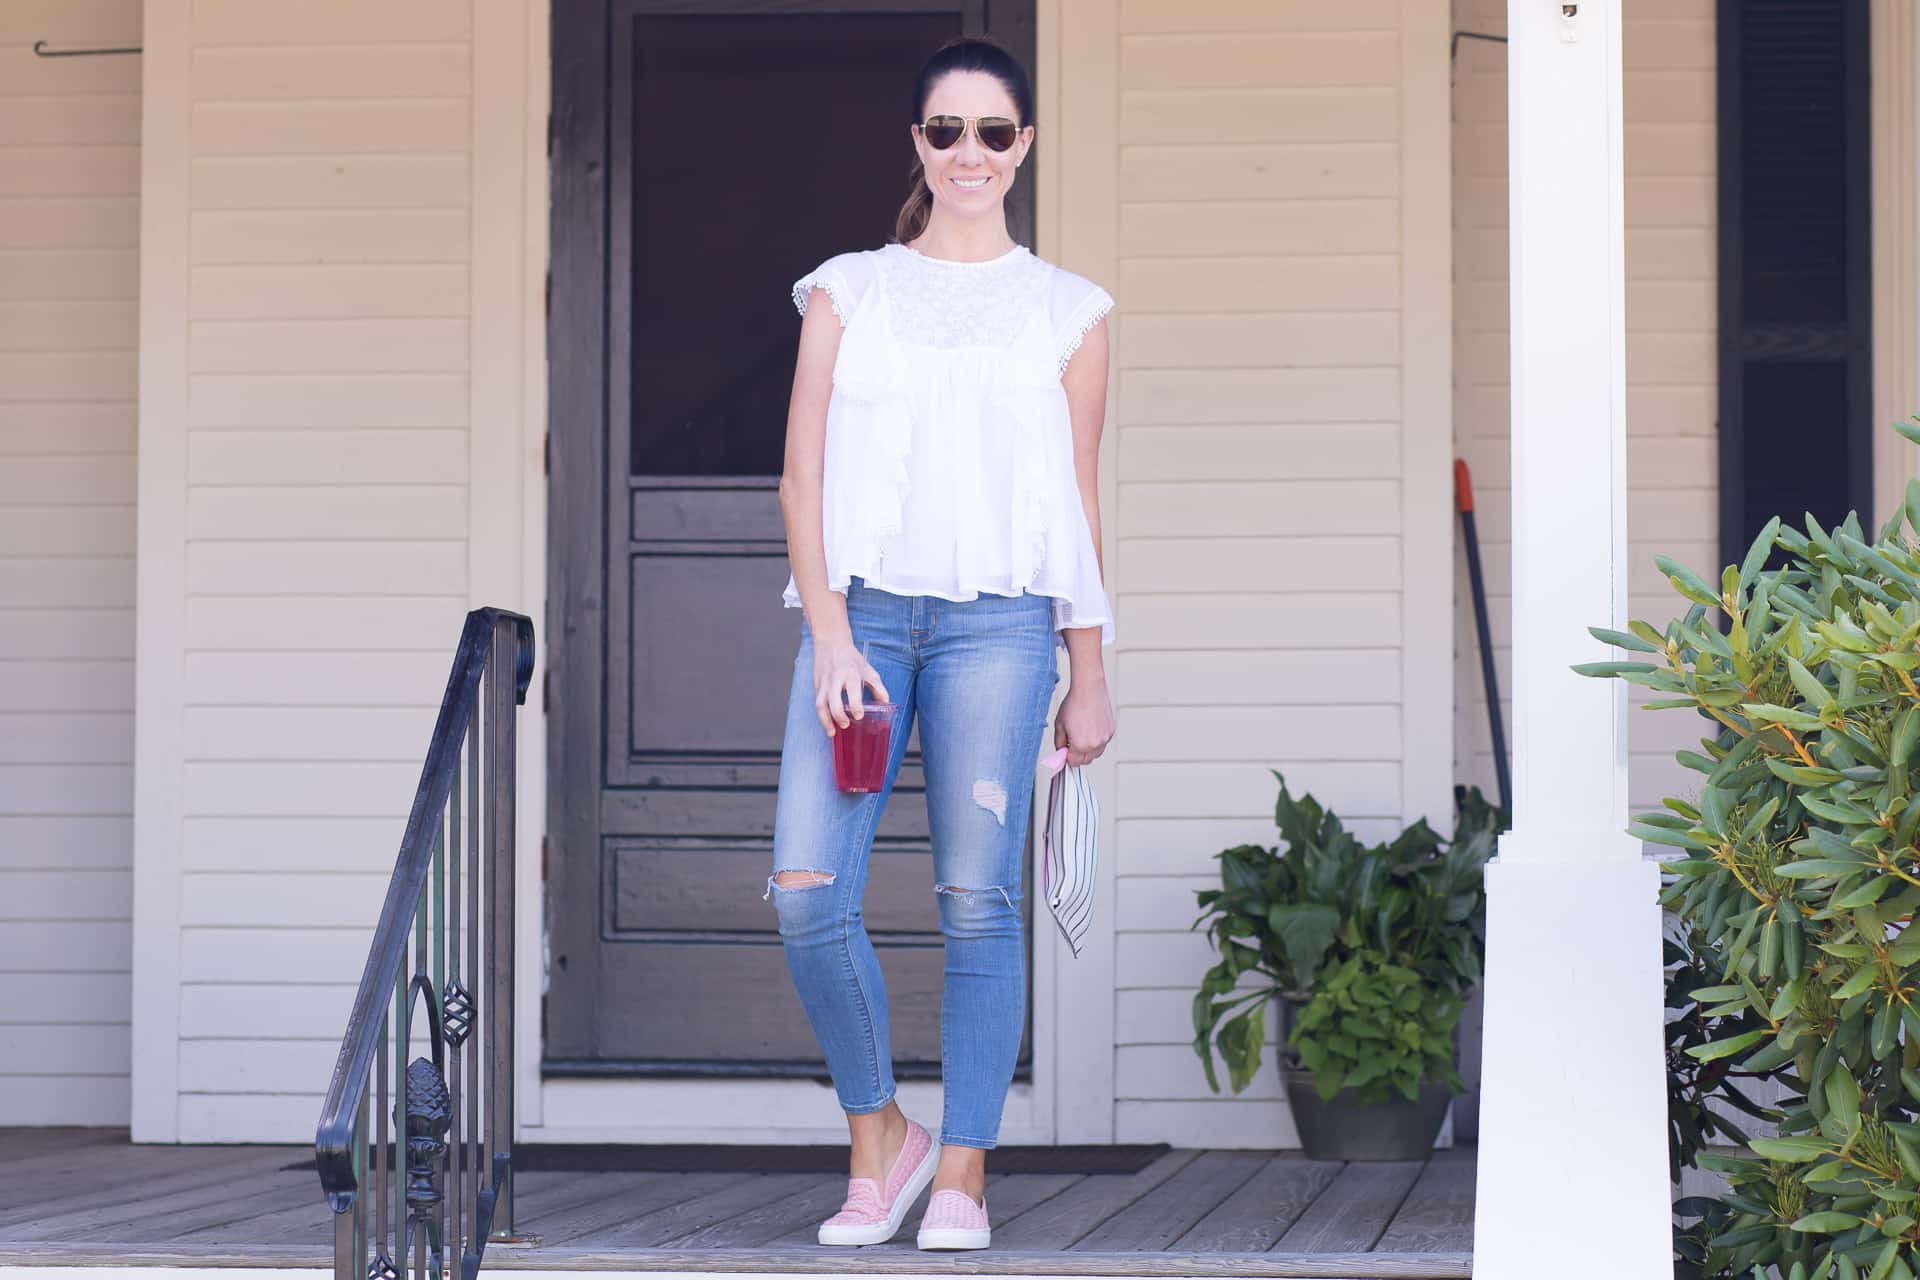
(943, 529)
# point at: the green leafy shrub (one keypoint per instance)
(1287, 916)
(1800, 879)
(1375, 1027)
(1691, 964)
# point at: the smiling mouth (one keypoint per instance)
(969, 184)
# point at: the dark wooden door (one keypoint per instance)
(704, 156)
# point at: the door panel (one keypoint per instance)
(656, 887)
(705, 156)
(693, 612)
(761, 1031)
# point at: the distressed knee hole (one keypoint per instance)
(969, 897)
(796, 880)
(992, 797)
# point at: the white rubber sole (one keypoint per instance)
(955, 1237)
(881, 1232)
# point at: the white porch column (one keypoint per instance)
(1572, 1165)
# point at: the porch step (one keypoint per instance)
(163, 1261)
(99, 1201)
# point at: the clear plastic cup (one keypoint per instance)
(860, 750)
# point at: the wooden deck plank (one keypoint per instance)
(561, 1200)
(47, 1177)
(798, 1212)
(1061, 1220)
(1020, 1193)
(1253, 1218)
(551, 1187)
(1170, 1210)
(163, 1214)
(1437, 1216)
(307, 1222)
(631, 1197)
(124, 1177)
(311, 1221)
(673, 1221)
(1350, 1215)
(17, 1146)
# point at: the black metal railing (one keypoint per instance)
(416, 1153)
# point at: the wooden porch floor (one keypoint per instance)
(88, 1197)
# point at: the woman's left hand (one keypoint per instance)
(1084, 723)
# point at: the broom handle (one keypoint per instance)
(1463, 498)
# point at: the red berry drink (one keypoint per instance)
(860, 750)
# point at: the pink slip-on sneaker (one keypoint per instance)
(954, 1221)
(872, 1213)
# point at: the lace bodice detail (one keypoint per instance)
(934, 302)
(938, 303)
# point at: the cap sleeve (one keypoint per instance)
(845, 278)
(1077, 305)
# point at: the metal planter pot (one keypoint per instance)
(1344, 1128)
(1348, 1129)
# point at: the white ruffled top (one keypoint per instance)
(949, 452)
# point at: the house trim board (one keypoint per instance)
(1893, 49)
(1427, 766)
(531, 944)
(1426, 413)
(506, 430)
(160, 576)
(1080, 203)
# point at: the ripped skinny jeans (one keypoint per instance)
(978, 676)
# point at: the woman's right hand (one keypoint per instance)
(839, 675)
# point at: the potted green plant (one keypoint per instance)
(1371, 951)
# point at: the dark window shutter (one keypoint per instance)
(1795, 307)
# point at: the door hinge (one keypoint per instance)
(546, 454)
(546, 689)
(546, 856)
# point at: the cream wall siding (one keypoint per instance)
(307, 410)
(1268, 254)
(69, 287)
(1672, 372)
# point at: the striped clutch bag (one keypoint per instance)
(1069, 858)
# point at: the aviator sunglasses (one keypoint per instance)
(996, 133)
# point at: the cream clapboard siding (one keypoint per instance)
(317, 417)
(1261, 503)
(1672, 375)
(69, 281)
